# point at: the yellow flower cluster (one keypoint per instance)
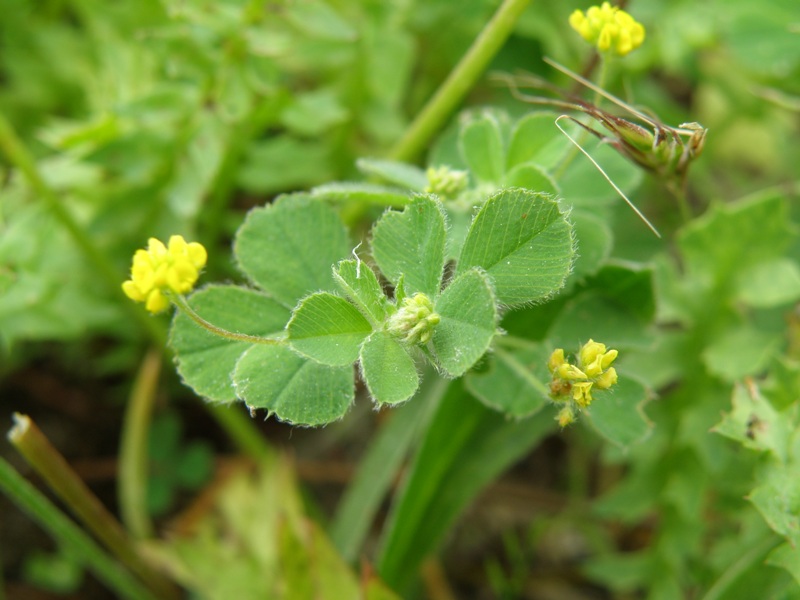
(573, 384)
(162, 269)
(608, 28)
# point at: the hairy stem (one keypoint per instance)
(183, 305)
(461, 79)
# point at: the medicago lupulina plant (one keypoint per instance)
(288, 343)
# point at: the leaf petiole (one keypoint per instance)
(180, 301)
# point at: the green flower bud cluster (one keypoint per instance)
(415, 320)
(445, 182)
(573, 384)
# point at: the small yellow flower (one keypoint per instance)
(573, 384)
(608, 28)
(159, 269)
(556, 360)
(607, 379)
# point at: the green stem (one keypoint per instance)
(132, 490)
(28, 439)
(182, 304)
(19, 156)
(70, 536)
(745, 562)
(461, 79)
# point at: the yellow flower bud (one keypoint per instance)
(582, 393)
(565, 416)
(571, 372)
(556, 360)
(608, 28)
(607, 379)
(159, 269)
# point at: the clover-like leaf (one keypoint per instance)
(287, 248)
(468, 312)
(411, 243)
(617, 414)
(358, 281)
(293, 388)
(515, 382)
(524, 242)
(388, 369)
(328, 329)
(481, 146)
(206, 361)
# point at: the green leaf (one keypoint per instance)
(786, 556)
(368, 193)
(730, 238)
(524, 242)
(515, 382)
(468, 323)
(770, 283)
(206, 361)
(592, 316)
(288, 247)
(411, 244)
(295, 389)
(535, 139)
(358, 281)
(396, 173)
(617, 414)
(740, 351)
(328, 329)
(388, 369)
(754, 423)
(319, 20)
(778, 501)
(532, 178)
(595, 242)
(481, 145)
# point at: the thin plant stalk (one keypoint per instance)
(461, 79)
(71, 537)
(183, 305)
(133, 455)
(40, 454)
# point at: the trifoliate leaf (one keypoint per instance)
(293, 388)
(328, 329)
(468, 312)
(524, 242)
(205, 360)
(481, 145)
(411, 244)
(515, 382)
(358, 281)
(288, 248)
(617, 414)
(388, 369)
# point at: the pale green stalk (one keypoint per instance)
(183, 305)
(461, 79)
(28, 439)
(133, 455)
(69, 536)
